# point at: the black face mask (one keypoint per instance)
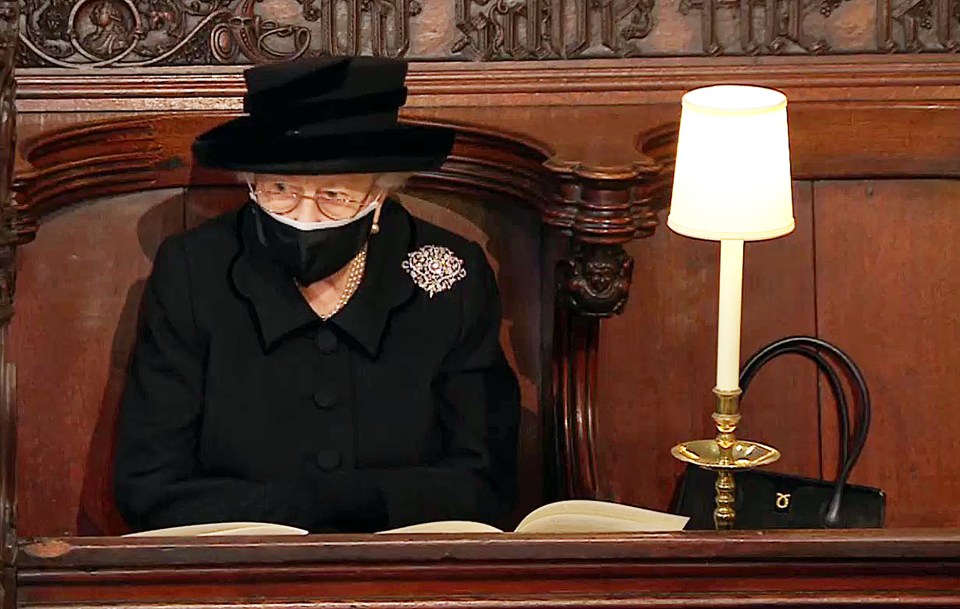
(312, 255)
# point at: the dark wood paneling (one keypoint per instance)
(78, 293)
(201, 204)
(659, 359)
(888, 292)
(778, 299)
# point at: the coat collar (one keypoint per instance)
(385, 284)
(279, 309)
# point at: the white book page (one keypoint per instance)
(634, 519)
(445, 526)
(222, 528)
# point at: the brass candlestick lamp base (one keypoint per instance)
(725, 455)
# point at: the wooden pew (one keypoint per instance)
(497, 190)
(561, 163)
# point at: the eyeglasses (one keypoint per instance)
(281, 198)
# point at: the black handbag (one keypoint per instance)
(765, 500)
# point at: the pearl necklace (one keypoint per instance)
(354, 275)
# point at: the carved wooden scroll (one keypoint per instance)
(109, 33)
(147, 33)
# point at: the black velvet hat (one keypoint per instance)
(322, 116)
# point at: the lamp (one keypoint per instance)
(731, 184)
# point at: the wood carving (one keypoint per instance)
(918, 25)
(538, 29)
(604, 205)
(764, 27)
(108, 33)
(9, 22)
(146, 33)
(600, 209)
(595, 279)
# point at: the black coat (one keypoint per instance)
(242, 405)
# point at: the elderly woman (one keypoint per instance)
(319, 358)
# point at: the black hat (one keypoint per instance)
(321, 116)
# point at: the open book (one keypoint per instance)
(573, 516)
(222, 528)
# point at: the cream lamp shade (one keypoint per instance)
(732, 176)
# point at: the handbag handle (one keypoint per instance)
(836, 387)
(810, 347)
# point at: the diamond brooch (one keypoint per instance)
(434, 268)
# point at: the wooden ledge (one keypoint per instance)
(849, 141)
(816, 545)
(536, 83)
(749, 570)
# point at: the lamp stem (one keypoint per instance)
(728, 326)
(726, 418)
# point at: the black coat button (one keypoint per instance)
(326, 398)
(326, 340)
(328, 460)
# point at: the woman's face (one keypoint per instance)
(316, 198)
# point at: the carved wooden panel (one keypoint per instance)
(147, 33)
(9, 18)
